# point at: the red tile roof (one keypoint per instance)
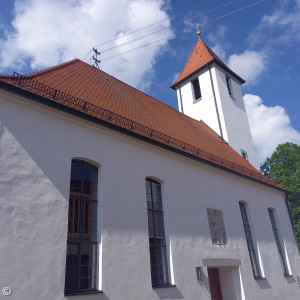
(92, 92)
(200, 57)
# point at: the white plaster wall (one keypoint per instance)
(231, 110)
(37, 145)
(204, 109)
(230, 284)
(234, 116)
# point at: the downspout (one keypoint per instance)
(217, 111)
(291, 219)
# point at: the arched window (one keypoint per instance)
(82, 245)
(157, 238)
(281, 253)
(251, 247)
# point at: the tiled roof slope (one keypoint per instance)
(93, 92)
(201, 56)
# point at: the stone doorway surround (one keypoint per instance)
(230, 277)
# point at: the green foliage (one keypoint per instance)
(284, 168)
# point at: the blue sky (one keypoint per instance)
(260, 43)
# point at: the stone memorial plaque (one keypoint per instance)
(216, 226)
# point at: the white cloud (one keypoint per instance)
(218, 49)
(218, 39)
(174, 77)
(45, 33)
(249, 65)
(269, 126)
(218, 35)
(281, 26)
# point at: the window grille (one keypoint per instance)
(157, 238)
(278, 243)
(196, 87)
(252, 251)
(82, 245)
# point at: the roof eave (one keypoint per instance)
(206, 65)
(81, 114)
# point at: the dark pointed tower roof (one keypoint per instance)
(201, 57)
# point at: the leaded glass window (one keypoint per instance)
(82, 245)
(250, 243)
(157, 238)
(278, 243)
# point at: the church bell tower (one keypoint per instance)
(208, 91)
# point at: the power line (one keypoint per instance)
(200, 4)
(149, 34)
(235, 11)
(184, 31)
(106, 58)
(166, 28)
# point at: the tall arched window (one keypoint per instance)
(157, 238)
(82, 244)
(251, 246)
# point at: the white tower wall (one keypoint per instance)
(223, 113)
(234, 114)
(205, 108)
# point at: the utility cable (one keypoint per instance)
(235, 11)
(184, 31)
(200, 4)
(166, 28)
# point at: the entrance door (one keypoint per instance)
(214, 283)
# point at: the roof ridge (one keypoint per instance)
(190, 57)
(50, 69)
(207, 48)
(213, 54)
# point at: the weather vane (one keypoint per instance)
(198, 31)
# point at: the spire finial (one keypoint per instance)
(198, 31)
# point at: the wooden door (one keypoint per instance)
(214, 283)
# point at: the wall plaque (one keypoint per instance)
(216, 226)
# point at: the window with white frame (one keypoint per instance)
(157, 239)
(82, 244)
(280, 249)
(250, 242)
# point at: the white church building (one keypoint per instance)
(107, 193)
